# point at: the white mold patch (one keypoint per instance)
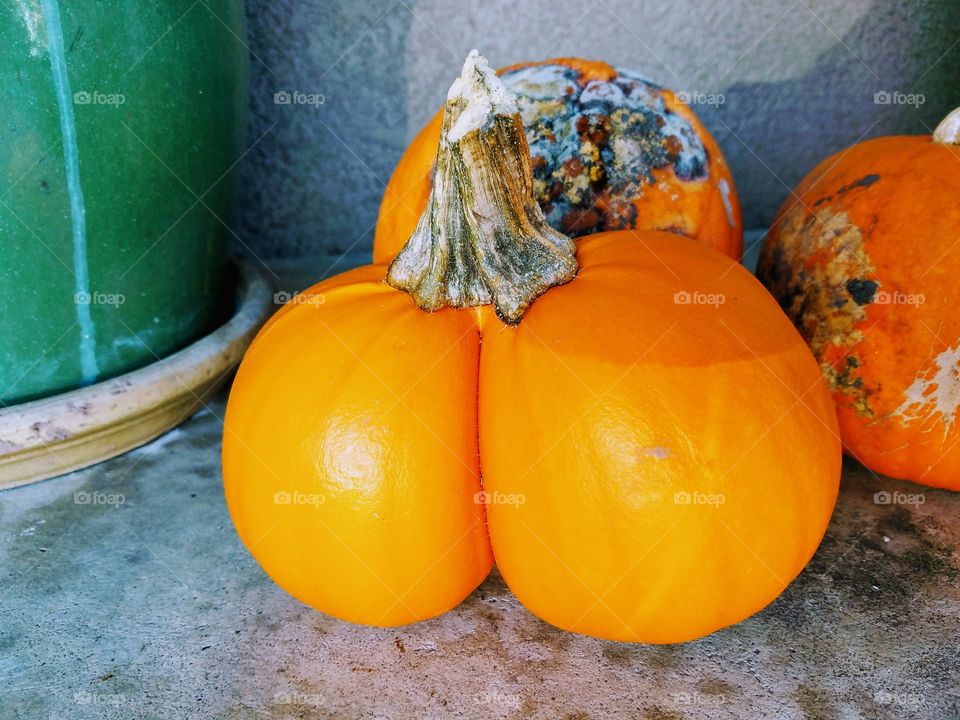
(935, 393)
(601, 92)
(725, 196)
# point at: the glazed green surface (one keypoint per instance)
(110, 131)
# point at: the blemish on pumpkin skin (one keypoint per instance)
(661, 453)
(864, 182)
(822, 276)
(934, 395)
(862, 291)
(676, 230)
(576, 221)
(594, 144)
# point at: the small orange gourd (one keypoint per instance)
(864, 257)
(634, 432)
(610, 151)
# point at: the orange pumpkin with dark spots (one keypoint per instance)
(610, 151)
(865, 259)
(629, 427)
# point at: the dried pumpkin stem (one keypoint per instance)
(948, 131)
(482, 238)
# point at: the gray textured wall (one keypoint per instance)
(798, 79)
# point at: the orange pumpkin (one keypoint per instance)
(611, 151)
(864, 258)
(635, 433)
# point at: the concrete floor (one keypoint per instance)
(127, 594)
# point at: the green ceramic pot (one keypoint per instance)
(121, 123)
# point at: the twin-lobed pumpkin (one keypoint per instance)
(628, 426)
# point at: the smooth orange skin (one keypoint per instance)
(909, 220)
(364, 400)
(607, 400)
(634, 399)
(693, 208)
